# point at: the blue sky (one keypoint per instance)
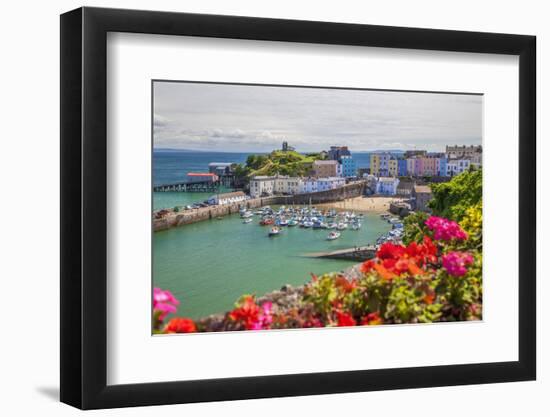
(241, 118)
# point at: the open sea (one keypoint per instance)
(209, 265)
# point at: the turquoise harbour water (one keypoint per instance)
(210, 264)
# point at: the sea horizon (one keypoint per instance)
(267, 151)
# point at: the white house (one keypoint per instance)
(227, 198)
(324, 184)
(287, 185)
(265, 186)
(309, 185)
(262, 185)
(457, 166)
(387, 185)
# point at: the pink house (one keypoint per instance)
(418, 166)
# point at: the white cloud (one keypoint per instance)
(258, 118)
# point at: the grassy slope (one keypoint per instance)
(285, 163)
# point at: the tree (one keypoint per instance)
(452, 199)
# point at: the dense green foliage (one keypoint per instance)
(414, 227)
(452, 199)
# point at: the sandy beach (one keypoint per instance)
(377, 204)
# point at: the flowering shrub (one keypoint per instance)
(249, 316)
(445, 229)
(436, 277)
(455, 263)
(164, 303)
(472, 223)
(180, 325)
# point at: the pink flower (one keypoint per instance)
(265, 318)
(456, 262)
(445, 229)
(164, 302)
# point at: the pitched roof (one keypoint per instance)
(262, 178)
(405, 185)
(422, 189)
(321, 162)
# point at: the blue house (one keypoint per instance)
(387, 185)
(441, 166)
(401, 167)
(349, 168)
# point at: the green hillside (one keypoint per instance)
(289, 163)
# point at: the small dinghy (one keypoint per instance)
(342, 226)
(275, 231)
(333, 235)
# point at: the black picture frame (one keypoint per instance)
(84, 207)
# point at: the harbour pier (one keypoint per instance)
(358, 253)
(195, 187)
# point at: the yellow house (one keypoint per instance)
(392, 167)
(375, 164)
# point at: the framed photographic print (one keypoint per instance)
(257, 208)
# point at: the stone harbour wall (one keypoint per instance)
(183, 217)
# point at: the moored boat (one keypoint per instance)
(333, 235)
(274, 231)
(266, 221)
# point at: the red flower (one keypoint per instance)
(422, 253)
(247, 313)
(395, 260)
(344, 284)
(367, 266)
(429, 298)
(414, 269)
(371, 319)
(390, 251)
(402, 265)
(180, 325)
(384, 273)
(345, 319)
(430, 250)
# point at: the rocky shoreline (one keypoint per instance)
(287, 298)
